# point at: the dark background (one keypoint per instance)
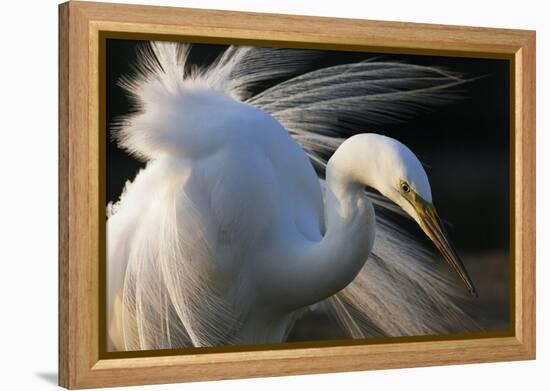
(464, 147)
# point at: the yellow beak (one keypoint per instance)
(431, 225)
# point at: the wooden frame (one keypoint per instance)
(80, 25)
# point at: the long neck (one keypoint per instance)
(317, 270)
(350, 226)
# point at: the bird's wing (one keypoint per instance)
(170, 238)
(171, 293)
(401, 290)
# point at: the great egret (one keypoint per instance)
(226, 237)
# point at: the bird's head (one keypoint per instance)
(395, 171)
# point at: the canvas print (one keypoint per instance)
(262, 195)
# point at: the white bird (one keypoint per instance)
(228, 234)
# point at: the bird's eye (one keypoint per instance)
(405, 188)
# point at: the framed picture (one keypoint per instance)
(247, 195)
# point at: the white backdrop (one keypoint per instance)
(28, 217)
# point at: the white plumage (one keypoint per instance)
(227, 236)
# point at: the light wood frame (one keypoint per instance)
(80, 165)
